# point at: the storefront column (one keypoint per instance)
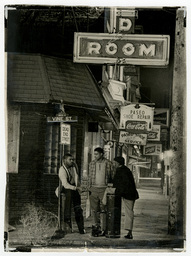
(177, 193)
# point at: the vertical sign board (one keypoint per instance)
(120, 19)
(65, 134)
(136, 118)
(107, 151)
(124, 20)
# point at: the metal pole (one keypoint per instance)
(60, 214)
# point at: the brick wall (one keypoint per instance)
(32, 135)
(30, 187)
(33, 187)
(31, 184)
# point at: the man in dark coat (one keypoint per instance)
(126, 189)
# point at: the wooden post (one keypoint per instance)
(60, 215)
(177, 191)
(61, 197)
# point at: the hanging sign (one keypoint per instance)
(136, 118)
(107, 151)
(124, 20)
(65, 134)
(136, 126)
(154, 134)
(116, 89)
(121, 49)
(152, 149)
(66, 119)
(161, 116)
(130, 138)
(120, 19)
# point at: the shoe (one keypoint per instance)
(11, 228)
(82, 232)
(58, 234)
(102, 233)
(96, 230)
(68, 228)
(128, 236)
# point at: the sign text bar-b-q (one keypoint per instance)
(103, 48)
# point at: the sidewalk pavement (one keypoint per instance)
(150, 231)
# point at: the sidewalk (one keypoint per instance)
(150, 230)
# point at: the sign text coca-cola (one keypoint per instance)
(136, 126)
(136, 117)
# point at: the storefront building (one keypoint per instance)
(41, 91)
(151, 73)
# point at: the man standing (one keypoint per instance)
(69, 177)
(125, 187)
(101, 172)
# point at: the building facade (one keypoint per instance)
(43, 86)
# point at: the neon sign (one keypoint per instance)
(121, 48)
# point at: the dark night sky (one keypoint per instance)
(55, 40)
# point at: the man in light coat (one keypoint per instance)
(69, 177)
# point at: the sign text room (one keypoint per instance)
(121, 48)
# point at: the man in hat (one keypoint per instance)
(126, 189)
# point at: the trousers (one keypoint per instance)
(129, 213)
(73, 197)
(97, 206)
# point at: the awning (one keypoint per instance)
(44, 79)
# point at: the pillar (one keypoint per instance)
(177, 193)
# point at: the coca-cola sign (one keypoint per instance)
(136, 126)
(136, 118)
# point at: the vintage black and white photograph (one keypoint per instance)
(96, 129)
